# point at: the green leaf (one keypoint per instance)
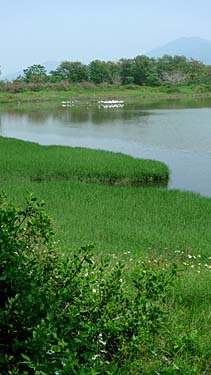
(26, 357)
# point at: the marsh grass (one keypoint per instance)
(127, 224)
(39, 163)
(117, 218)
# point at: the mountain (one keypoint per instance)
(196, 48)
(49, 65)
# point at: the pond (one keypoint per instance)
(174, 132)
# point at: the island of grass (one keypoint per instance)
(54, 163)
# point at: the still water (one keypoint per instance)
(178, 136)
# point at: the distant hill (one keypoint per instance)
(49, 65)
(196, 48)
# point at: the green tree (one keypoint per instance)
(173, 69)
(71, 71)
(127, 71)
(114, 72)
(197, 72)
(99, 72)
(145, 71)
(35, 74)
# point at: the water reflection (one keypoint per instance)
(176, 103)
(75, 115)
(179, 137)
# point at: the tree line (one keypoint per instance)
(141, 70)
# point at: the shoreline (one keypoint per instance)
(92, 95)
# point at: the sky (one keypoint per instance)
(37, 31)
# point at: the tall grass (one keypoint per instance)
(118, 219)
(127, 223)
(39, 163)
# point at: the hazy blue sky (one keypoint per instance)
(36, 31)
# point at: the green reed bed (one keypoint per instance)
(119, 219)
(144, 228)
(40, 163)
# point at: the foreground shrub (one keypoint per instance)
(68, 316)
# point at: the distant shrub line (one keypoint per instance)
(138, 71)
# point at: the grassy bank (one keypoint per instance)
(121, 219)
(131, 94)
(127, 223)
(37, 163)
(118, 218)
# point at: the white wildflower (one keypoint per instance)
(164, 358)
(95, 357)
(176, 367)
(50, 352)
(102, 342)
(117, 318)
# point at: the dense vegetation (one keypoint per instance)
(137, 303)
(70, 315)
(54, 163)
(117, 218)
(138, 71)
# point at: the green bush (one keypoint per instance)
(67, 316)
(170, 89)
